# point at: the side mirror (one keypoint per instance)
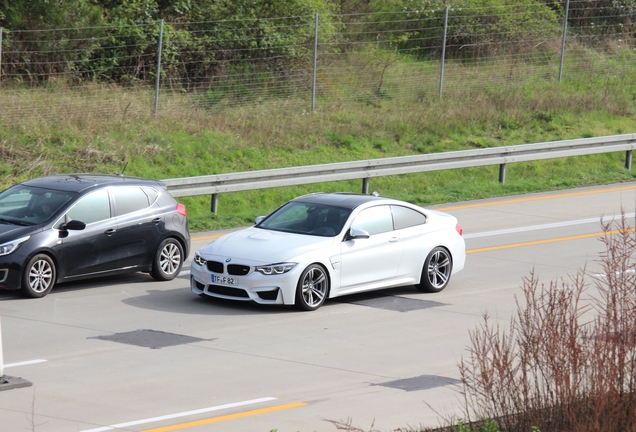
(354, 234)
(73, 225)
(259, 219)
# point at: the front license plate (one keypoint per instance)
(225, 280)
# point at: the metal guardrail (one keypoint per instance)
(367, 169)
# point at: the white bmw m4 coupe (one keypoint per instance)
(327, 245)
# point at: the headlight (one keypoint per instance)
(199, 260)
(276, 269)
(7, 248)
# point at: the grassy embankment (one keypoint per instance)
(184, 141)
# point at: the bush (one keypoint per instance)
(475, 27)
(567, 362)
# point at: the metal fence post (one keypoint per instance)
(0, 78)
(365, 185)
(158, 67)
(628, 160)
(565, 29)
(441, 72)
(313, 79)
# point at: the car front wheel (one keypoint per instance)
(437, 271)
(168, 260)
(39, 276)
(312, 289)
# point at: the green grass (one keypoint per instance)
(186, 141)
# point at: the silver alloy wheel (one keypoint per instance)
(439, 268)
(314, 287)
(40, 276)
(170, 258)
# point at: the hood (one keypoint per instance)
(264, 246)
(9, 231)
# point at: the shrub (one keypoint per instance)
(567, 361)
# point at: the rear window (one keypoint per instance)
(404, 217)
(129, 199)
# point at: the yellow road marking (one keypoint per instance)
(216, 236)
(518, 200)
(552, 240)
(226, 417)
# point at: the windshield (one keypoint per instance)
(307, 218)
(24, 205)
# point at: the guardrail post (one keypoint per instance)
(214, 206)
(365, 186)
(628, 160)
(502, 173)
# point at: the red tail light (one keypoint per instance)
(459, 229)
(181, 209)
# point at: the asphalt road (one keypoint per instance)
(129, 353)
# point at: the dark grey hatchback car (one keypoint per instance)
(73, 226)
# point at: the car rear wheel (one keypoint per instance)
(168, 260)
(312, 289)
(39, 276)
(437, 271)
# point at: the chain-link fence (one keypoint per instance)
(309, 62)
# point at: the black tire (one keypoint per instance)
(313, 288)
(39, 276)
(168, 260)
(437, 270)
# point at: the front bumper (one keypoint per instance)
(256, 287)
(11, 269)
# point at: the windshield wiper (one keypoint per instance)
(14, 222)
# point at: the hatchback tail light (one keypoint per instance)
(181, 209)
(459, 229)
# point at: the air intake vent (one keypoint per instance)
(227, 291)
(268, 295)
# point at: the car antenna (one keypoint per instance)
(122, 171)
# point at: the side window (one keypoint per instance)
(152, 194)
(404, 217)
(129, 199)
(93, 207)
(374, 220)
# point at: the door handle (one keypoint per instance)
(394, 239)
(156, 221)
(109, 232)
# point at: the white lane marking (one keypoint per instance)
(545, 226)
(24, 363)
(618, 273)
(182, 414)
